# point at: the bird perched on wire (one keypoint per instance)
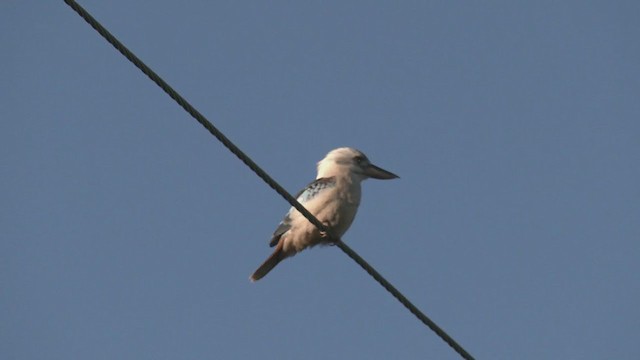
(333, 198)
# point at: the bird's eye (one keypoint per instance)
(359, 159)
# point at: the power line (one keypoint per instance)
(264, 176)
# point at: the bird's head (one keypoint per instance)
(349, 161)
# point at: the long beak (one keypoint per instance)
(375, 172)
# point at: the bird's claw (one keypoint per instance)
(324, 234)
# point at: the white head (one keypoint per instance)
(349, 161)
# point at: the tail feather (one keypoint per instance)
(271, 262)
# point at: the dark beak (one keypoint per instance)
(375, 172)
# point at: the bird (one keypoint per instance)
(333, 198)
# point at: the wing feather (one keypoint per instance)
(304, 195)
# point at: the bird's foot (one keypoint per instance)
(324, 235)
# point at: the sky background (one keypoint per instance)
(128, 232)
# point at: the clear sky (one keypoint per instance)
(128, 232)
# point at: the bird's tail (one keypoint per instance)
(271, 262)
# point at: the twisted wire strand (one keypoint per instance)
(264, 176)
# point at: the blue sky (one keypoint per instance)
(128, 232)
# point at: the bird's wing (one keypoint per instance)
(306, 194)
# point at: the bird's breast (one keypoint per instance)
(336, 207)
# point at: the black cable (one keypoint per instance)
(264, 176)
